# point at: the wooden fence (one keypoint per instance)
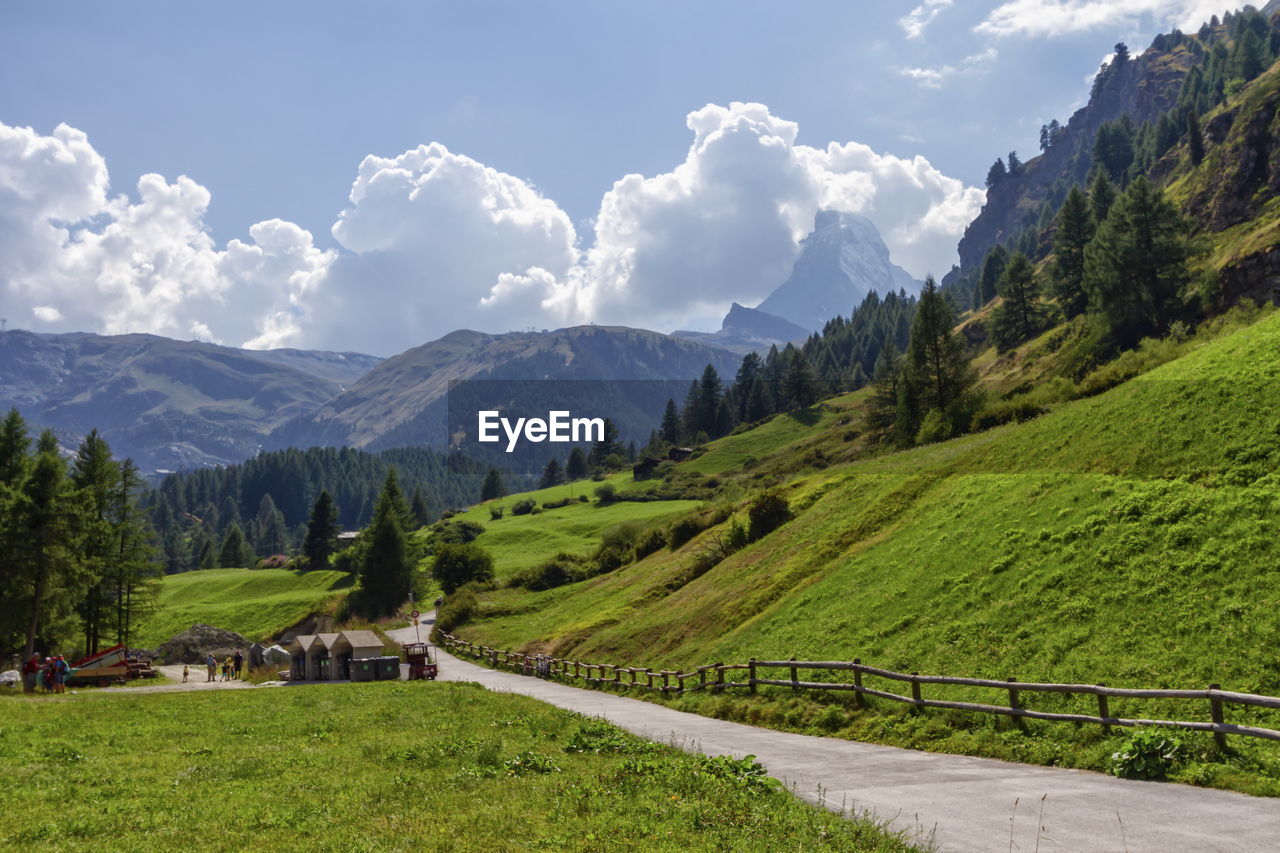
(716, 677)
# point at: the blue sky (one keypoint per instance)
(271, 107)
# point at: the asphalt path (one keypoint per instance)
(956, 803)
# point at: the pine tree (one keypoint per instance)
(493, 486)
(937, 368)
(1075, 228)
(386, 570)
(1015, 165)
(606, 447)
(887, 386)
(322, 532)
(670, 430)
(42, 549)
(576, 467)
(1136, 266)
(93, 474)
(1195, 142)
(418, 509)
(1102, 194)
(992, 268)
(14, 445)
(235, 551)
(710, 393)
(134, 569)
(800, 384)
(1019, 316)
(996, 173)
(551, 475)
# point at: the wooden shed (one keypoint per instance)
(353, 645)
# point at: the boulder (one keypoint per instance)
(198, 642)
(10, 678)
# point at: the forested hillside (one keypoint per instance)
(234, 515)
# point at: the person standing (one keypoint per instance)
(61, 669)
(239, 662)
(46, 675)
(212, 664)
(30, 674)
(186, 673)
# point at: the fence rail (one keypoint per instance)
(716, 677)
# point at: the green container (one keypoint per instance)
(364, 669)
(388, 669)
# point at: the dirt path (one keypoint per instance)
(963, 803)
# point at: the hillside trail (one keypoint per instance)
(946, 802)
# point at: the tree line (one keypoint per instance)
(234, 515)
(76, 549)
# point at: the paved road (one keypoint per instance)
(962, 803)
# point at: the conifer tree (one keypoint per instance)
(235, 552)
(1136, 266)
(418, 509)
(1019, 316)
(992, 268)
(386, 569)
(937, 368)
(576, 467)
(493, 486)
(42, 547)
(1102, 194)
(1195, 142)
(322, 532)
(670, 430)
(551, 475)
(1075, 228)
(801, 384)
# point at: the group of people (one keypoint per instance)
(50, 675)
(232, 667)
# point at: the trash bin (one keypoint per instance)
(388, 669)
(364, 669)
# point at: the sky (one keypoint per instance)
(369, 177)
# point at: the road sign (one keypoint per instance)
(415, 614)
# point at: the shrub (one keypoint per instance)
(275, 561)
(457, 532)
(559, 570)
(682, 530)
(1004, 412)
(458, 609)
(1146, 754)
(563, 502)
(456, 565)
(523, 507)
(583, 499)
(495, 512)
(935, 427)
(606, 493)
(650, 541)
(767, 512)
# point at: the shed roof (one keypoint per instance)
(362, 639)
(327, 640)
(303, 642)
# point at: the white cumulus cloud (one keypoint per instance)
(434, 241)
(915, 21)
(1063, 17)
(74, 257)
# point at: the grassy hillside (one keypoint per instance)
(252, 602)
(344, 767)
(1128, 538)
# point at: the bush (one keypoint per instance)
(684, 529)
(935, 427)
(457, 609)
(456, 565)
(559, 570)
(523, 507)
(1004, 412)
(1146, 754)
(495, 512)
(606, 493)
(457, 532)
(275, 561)
(767, 512)
(650, 541)
(563, 502)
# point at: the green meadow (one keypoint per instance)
(403, 766)
(254, 602)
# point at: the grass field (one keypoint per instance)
(1129, 539)
(378, 767)
(252, 602)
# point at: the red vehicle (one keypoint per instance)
(421, 663)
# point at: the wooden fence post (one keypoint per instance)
(1215, 713)
(915, 692)
(719, 678)
(751, 670)
(1014, 706)
(795, 688)
(648, 676)
(495, 658)
(857, 683)
(666, 680)
(1104, 711)
(633, 676)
